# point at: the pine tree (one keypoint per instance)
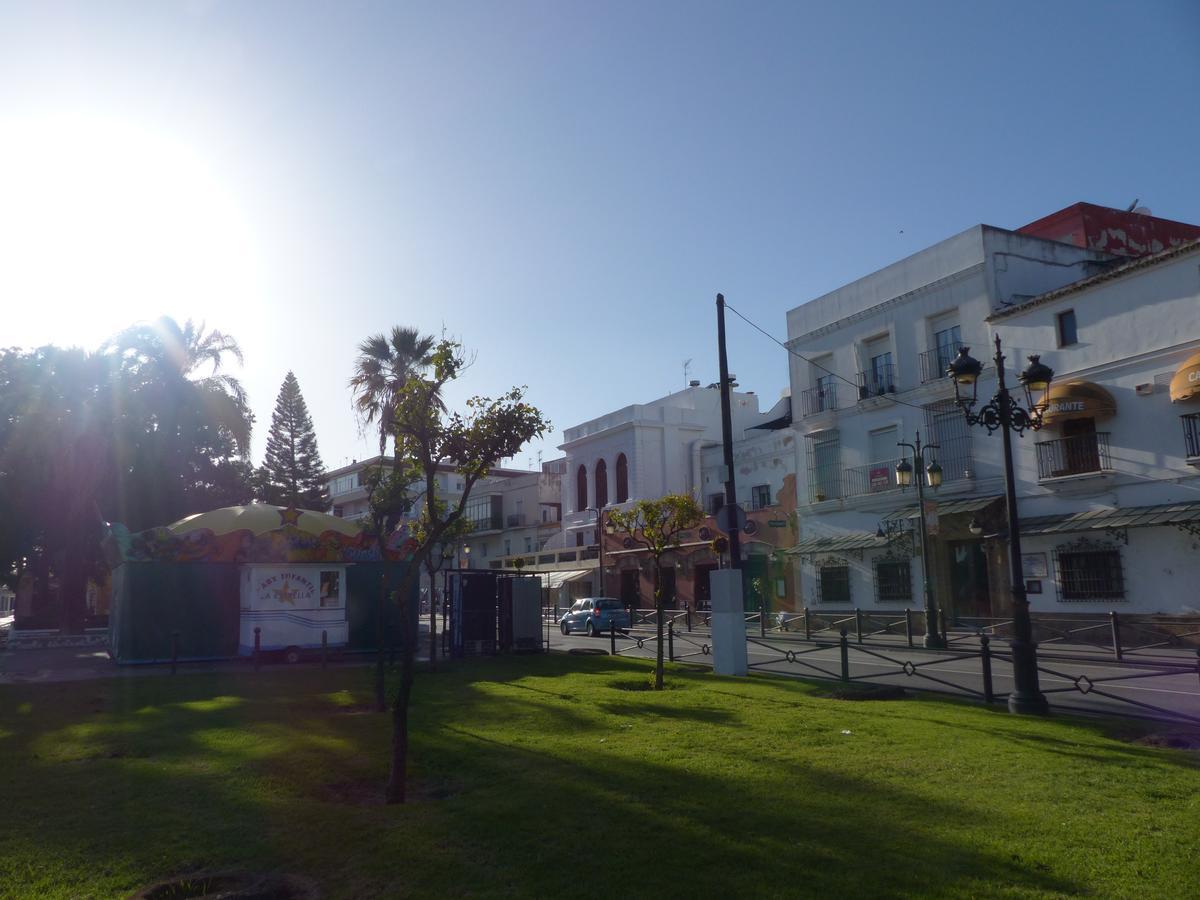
(292, 473)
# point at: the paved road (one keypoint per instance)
(1133, 685)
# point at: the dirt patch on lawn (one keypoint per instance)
(370, 791)
(231, 886)
(1171, 740)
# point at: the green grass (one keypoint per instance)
(552, 776)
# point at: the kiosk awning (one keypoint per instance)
(1186, 383)
(1100, 519)
(554, 579)
(851, 540)
(1078, 400)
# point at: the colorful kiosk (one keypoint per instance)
(204, 584)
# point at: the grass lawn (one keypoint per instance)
(555, 776)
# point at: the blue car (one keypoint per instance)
(593, 616)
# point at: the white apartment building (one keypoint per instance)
(867, 372)
(513, 516)
(1109, 492)
(643, 451)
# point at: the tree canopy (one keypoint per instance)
(292, 473)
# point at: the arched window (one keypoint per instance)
(622, 478)
(581, 489)
(601, 484)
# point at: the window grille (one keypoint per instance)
(1089, 571)
(824, 466)
(947, 427)
(833, 583)
(893, 581)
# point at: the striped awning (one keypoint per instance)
(850, 540)
(1100, 519)
(947, 507)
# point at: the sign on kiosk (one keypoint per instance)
(292, 605)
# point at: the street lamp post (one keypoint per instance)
(933, 474)
(1005, 414)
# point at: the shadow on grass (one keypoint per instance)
(129, 781)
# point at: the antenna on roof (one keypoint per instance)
(687, 371)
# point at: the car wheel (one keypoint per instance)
(562, 626)
(591, 629)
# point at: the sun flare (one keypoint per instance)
(104, 222)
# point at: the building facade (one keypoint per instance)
(867, 369)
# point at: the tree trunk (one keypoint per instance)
(398, 776)
(432, 623)
(658, 608)
(380, 694)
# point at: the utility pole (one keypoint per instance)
(735, 537)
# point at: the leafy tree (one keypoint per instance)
(136, 432)
(436, 559)
(491, 429)
(293, 474)
(384, 365)
(656, 525)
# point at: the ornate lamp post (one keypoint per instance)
(1005, 414)
(933, 474)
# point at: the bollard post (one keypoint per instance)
(612, 638)
(783, 622)
(942, 624)
(985, 656)
(845, 644)
(807, 626)
(174, 651)
(858, 624)
(688, 614)
(1116, 634)
(908, 626)
(671, 640)
(324, 647)
(762, 623)
(257, 648)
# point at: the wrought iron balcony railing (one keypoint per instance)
(1191, 434)
(869, 479)
(820, 399)
(1077, 455)
(934, 362)
(877, 382)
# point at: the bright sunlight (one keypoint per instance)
(104, 222)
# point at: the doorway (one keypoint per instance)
(970, 593)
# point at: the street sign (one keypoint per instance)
(730, 518)
(931, 517)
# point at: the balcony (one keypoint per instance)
(820, 399)
(934, 362)
(1073, 457)
(1191, 437)
(873, 478)
(879, 382)
(515, 520)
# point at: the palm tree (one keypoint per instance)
(383, 366)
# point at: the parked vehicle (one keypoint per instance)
(593, 616)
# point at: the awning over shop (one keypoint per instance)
(555, 579)
(1186, 383)
(1078, 400)
(947, 507)
(851, 540)
(1101, 519)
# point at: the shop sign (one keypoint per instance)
(880, 478)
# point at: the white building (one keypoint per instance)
(1109, 492)
(867, 370)
(643, 451)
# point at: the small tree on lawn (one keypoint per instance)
(656, 526)
(436, 559)
(389, 498)
(426, 434)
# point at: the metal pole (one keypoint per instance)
(324, 648)
(735, 543)
(612, 638)
(845, 646)
(257, 647)
(985, 656)
(908, 626)
(933, 640)
(1026, 696)
(1116, 634)
(671, 640)
(858, 624)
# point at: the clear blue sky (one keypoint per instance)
(563, 185)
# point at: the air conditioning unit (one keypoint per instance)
(1145, 390)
